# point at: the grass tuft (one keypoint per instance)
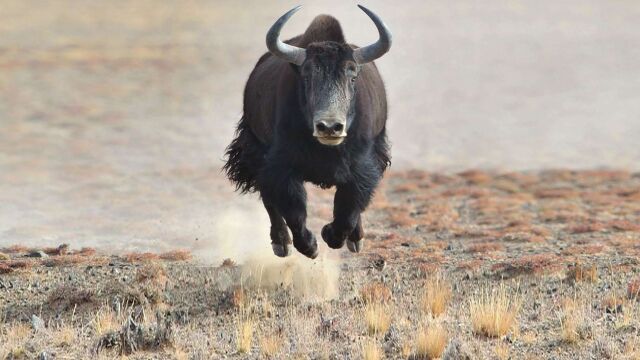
(502, 351)
(176, 255)
(371, 350)
(375, 292)
(270, 345)
(377, 318)
(431, 342)
(572, 320)
(245, 336)
(436, 296)
(581, 272)
(493, 312)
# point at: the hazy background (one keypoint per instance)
(114, 115)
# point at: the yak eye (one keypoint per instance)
(353, 79)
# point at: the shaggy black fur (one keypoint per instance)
(274, 151)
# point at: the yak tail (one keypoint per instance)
(243, 158)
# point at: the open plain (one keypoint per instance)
(120, 237)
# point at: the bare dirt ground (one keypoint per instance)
(549, 258)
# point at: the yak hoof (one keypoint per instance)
(281, 250)
(355, 246)
(311, 253)
(329, 237)
(308, 248)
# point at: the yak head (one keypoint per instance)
(328, 72)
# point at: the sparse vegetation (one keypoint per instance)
(371, 350)
(245, 336)
(431, 342)
(437, 295)
(493, 311)
(502, 351)
(582, 272)
(270, 345)
(410, 289)
(377, 318)
(375, 292)
(573, 326)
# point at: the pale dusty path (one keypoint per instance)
(113, 118)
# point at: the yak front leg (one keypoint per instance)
(286, 194)
(350, 200)
(280, 239)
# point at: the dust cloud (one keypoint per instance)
(247, 242)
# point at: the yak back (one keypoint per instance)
(273, 82)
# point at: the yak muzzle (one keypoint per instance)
(330, 131)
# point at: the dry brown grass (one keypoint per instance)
(71, 260)
(587, 227)
(529, 265)
(104, 321)
(401, 219)
(475, 176)
(623, 225)
(377, 318)
(493, 312)
(572, 321)
(270, 345)
(613, 303)
(375, 292)
(238, 297)
(633, 289)
(13, 337)
(65, 336)
(86, 251)
(502, 351)
(431, 342)
(152, 273)
(66, 297)
(371, 350)
(177, 255)
(245, 336)
(180, 354)
(15, 249)
(581, 272)
(483, 247)
(139, 257)
(436, 296)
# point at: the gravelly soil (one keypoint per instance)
(550, 238)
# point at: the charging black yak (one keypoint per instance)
(315, 110)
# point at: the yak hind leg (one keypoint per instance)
(280, 239)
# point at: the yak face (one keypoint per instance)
(328, 77)
(328, 71)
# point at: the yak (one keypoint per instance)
(315, 110)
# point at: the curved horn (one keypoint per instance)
(284, 51)
(369, 53)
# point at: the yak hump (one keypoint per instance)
(322, 28)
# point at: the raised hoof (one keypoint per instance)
(311, 253)
(329, 237)
(281, 250)
(309, 248)
(355, 246)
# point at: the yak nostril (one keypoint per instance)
(337, 128)
(321, 126)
